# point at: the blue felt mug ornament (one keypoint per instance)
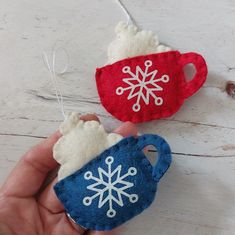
(115, 186)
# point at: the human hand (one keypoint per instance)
(26, 208)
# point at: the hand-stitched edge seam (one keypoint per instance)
(141, 118)
(116, 222)
(137, 211)
(127, 217)
(165, 54)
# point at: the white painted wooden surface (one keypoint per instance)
(197, 196)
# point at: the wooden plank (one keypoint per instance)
(197, 195)
(12, 148)
(206, 107)
(184, 137)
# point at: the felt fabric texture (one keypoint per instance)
(80, 142)
(149, 87)
(130, 42)
(115, 186)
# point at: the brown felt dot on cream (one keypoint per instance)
(89, 117)
(230, 89)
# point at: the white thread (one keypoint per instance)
(127, 13)
(54, 74)
(52, 68)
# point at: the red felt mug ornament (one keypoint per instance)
(149, 87)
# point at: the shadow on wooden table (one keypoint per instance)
(189, 201)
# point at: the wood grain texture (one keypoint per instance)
(197, 196)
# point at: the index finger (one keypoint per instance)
(30, 172)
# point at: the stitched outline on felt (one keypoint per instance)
(162, 113)
(127, 216)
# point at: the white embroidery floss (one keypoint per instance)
(51, 66)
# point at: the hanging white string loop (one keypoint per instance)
(52, 66)
(129, 17)
(54, 74)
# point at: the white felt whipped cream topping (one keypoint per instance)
(130, 42)
(80, 142)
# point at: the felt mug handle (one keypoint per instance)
(164, 153)
(201, 72)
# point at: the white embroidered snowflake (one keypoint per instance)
(112, 184)
(143, 85)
